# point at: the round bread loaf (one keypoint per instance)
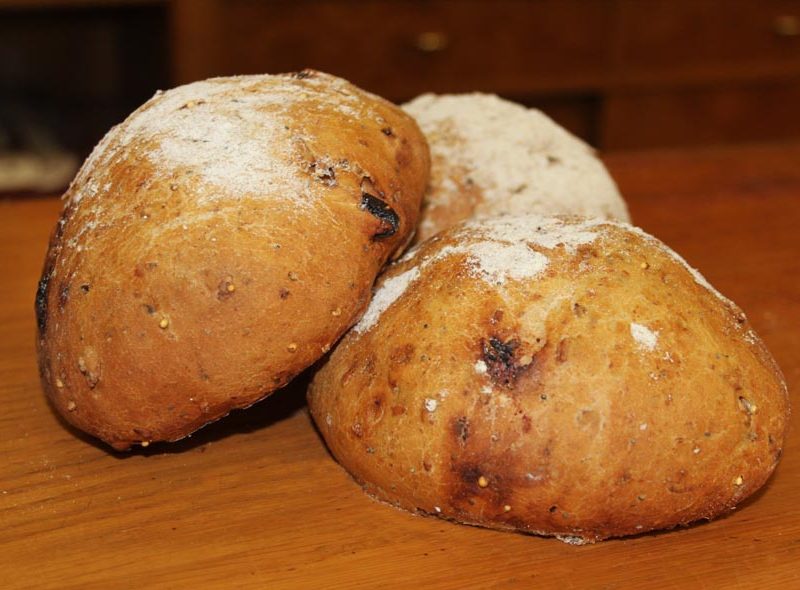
(217, 243)
(493, 157)
(561, 377)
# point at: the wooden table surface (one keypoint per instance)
(255, 501)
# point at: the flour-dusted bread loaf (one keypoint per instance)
(492, 157)
(218, 242)
(563, 377)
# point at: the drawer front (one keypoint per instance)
(697, 116)
(402, 48)
(685, 34)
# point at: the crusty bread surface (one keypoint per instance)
(558, 376)
(218, 242)
(493, 157)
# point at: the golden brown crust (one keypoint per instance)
(217, 243)
(599, 389)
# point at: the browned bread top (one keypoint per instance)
(216, 243)
(567, 377)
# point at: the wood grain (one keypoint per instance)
(255, 501)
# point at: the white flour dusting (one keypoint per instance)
(506, 250)
(389, 292)
(495, 251)
(646, 338)
(519, 159)
(509, 248)
(498, 262)
(235, 134)
(547, 232)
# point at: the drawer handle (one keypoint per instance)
(432, 42)
(786, 26)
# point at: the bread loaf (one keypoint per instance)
(218, 242)
(563, 377)
(492, 157)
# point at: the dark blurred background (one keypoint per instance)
(622, 74)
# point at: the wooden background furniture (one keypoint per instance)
(255, 501)
(621, 73)
(74, 68)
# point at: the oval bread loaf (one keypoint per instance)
(493, 157)
(218, 242)
(555, 376)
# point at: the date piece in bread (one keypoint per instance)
(563, 377)
(215, 244)
(492, 157)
